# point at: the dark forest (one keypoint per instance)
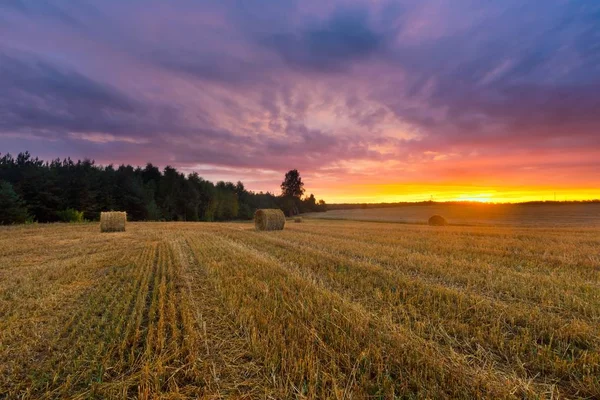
(71, 191)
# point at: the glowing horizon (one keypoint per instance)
(499, 198)
(460, 193)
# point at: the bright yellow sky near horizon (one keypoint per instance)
(391, 193)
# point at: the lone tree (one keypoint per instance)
(292, 188)
(292, 185)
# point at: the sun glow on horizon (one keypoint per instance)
(478, 198)
(399, 193)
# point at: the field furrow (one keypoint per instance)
(325, 346)
(486, 276)
(322, 309)
(520, 250)
(524, 340)
(223, 358)
(60, 350)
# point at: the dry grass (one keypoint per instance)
(563, 215)
(113, 221)
(321, 310)
(269, 219)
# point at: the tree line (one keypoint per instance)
(65, 190)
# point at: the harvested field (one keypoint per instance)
(517, 215)
(322, 309)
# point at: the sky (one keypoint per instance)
(370, 100)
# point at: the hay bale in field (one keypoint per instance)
(297, 219)
(437, 220)
(113, 221)
(269, 219)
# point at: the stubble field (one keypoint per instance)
(484, 214)
(323, 309)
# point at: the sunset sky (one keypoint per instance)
(370, 100)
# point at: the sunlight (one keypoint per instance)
(417, 192)
(480, 198)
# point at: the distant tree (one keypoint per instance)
(152, 210)
(309, 203)
(129, 195)
(12, 208)
(322, 205)
(239, 188)
(263, 200)
(292, 185)
(37, 187)
(151, 174)
(206, 201)
(227, 201)
(70, 215)
(244, 198)
(289, 205)
(168, 193)
(53, 190)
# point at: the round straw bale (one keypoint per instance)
(113, 221)
(269, 219)
(437, 220)
(297, 219)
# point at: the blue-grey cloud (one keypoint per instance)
(41, 9)
(331, 45)
(37, 94)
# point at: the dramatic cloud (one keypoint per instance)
(356, 94)
(38, 96)
(329, 46)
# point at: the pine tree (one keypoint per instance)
(12, 208)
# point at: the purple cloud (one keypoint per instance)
(332, 45)
(393, 86)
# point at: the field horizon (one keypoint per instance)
(470, 214)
